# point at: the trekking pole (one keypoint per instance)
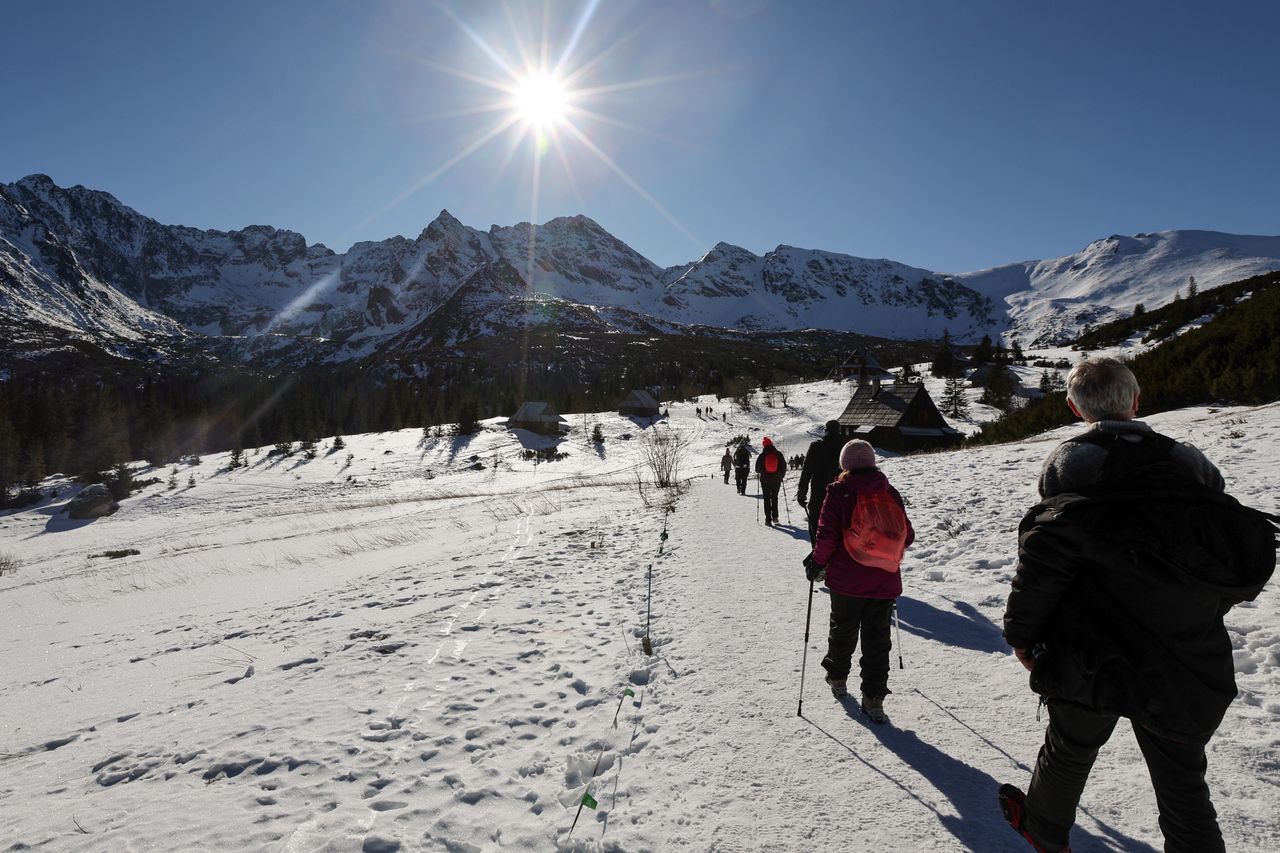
(646, 643)
(805, 655)
(757, 500)
(785, 502)
(898, 625)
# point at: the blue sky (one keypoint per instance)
(949, 135)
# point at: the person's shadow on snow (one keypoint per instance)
(794, 532)
(964, 626)
(976, 821)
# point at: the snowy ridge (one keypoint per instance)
(47, 295)
(423, 643)
(106, 271)
(791, 288)
(1050, 301)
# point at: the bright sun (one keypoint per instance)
(541, 100)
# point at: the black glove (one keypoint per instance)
(813, 570)
(800, 499)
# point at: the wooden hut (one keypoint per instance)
(641, 404)
(899, 416)
(537, 417)
(862, 368)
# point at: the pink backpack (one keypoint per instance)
(877, 532)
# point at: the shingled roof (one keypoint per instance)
(883, 406)
(534, 412)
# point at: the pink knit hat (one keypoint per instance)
(856, 455)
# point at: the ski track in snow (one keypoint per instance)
(297, 661)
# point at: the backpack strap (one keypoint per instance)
(1151, 455)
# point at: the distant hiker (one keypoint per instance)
(862, 531)
(698, 412)
(741, 467)
(724, 416)
(726, 464)
(820, 466)
(1125, 571)
(771, 467)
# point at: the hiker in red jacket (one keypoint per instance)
(862, 590)
(771, 467)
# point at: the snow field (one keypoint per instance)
(301, 661)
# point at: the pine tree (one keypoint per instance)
(944, 362)
(338, 443)
(1192, 289)
(999, 389)
(954, 402)
(982, 353)
(236, 460)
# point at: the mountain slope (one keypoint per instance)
(80, 265)
(1051, 301)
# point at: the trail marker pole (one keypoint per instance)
(646, 643)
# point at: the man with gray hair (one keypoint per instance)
(1125, 571)
(1104, 393)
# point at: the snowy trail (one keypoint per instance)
(401, 663)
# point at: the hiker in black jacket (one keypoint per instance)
(1125, 571)
(741, 467)
(821, 465)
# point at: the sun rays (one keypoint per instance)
(548, 96)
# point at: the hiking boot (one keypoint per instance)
(768, 522)
(839, 687)
(873, 707)
(1013, 807)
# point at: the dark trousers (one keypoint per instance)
(870, 617)
(813, 510)
(770, 500)
(740, 477)
(1071, 744)
(726, 475)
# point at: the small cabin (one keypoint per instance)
(898, 416)
(538, 417)
(641, 404)
(862, 368)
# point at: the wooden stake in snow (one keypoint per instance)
(646, 643)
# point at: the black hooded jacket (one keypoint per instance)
(821, 466)
(1120, 594)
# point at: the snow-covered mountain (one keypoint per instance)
(77, 265)
(793, 288)
(1050, 301)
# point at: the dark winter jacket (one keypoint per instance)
(742, 457)
(1121, 590)
(1078, 463)
(726, 462)
(775, 477)
(846, 575)
(821, 466)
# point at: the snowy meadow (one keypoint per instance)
(433, 643)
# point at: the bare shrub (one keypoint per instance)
(662, 451)
(8, 564)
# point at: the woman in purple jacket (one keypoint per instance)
(861, 596)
